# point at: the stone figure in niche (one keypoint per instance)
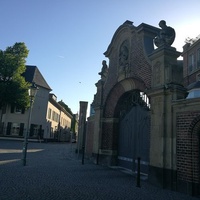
(123, 59)
(166, 35)
(104, 70)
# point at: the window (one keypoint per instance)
(15, 128)
(53, 116)
(56, 119)
(18, 110)
(191, 62)
(49, 113)
(198, 58)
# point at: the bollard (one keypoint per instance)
(83, 154)
(24, 152)
(138, 173)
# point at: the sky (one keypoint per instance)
(67, 38)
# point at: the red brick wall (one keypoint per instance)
(109, 135)
(188, 130)
(191, 79)
(112, 101)
(139, 63)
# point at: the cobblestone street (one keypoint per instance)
(54, 171)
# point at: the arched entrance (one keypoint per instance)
(194, 131)
(188, 154)
(134, 130)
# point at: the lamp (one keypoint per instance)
(32, 90)
(32, 93)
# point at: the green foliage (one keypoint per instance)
(65, 107)
(13, 87)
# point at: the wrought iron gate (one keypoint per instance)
(133, 141)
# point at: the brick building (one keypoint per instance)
(142, 109)
(187, 125)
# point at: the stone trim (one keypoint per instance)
(107, 152)
(110, 120)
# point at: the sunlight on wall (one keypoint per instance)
(13, 151)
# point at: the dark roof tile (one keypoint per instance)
(32, 74)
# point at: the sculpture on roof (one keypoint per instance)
(166, 35)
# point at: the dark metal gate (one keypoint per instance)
(133, 141)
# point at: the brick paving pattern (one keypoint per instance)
(54, 171)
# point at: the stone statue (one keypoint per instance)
(166, 35)
(123, 59)
(123, 56)
(104, 70)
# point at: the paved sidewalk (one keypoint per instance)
(54, 171)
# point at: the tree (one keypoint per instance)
(13, 87)
(65, 107)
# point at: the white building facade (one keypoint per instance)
(58, 121)
(15, 121)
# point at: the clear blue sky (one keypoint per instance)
(67, 38)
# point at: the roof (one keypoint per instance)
(58, 106)
(149, 33)
(195, 85)
(32, 74)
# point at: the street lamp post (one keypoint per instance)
(32, 92)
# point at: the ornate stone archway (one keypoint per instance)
(129, 69)
(110, 119)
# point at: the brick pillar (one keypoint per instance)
(82, 125)
(165, 87)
